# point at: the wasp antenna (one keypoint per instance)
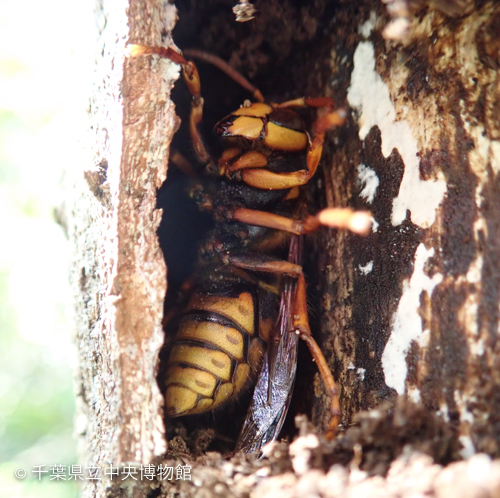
(336, 118)
(319, 102)
(329, 120)
(136, 50)
(225, 68)
(167, 53)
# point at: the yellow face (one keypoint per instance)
(254, 122)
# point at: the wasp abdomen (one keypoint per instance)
(214, 353)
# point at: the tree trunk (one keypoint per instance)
(407, 317)
(118, 270)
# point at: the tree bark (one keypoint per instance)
(408, 317)
(118, 271)
(425, 285)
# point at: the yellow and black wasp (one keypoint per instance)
(244, 307)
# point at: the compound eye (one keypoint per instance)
(246, 122)
(287, 119)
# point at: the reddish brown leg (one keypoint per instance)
(320, 127)
(300, 322)
(307, 102)
(265, 219)
(249, 278)
(192, 80)
(183, 164)
(301, 326)
(356, 221)
(267, 180)
(255, 262)
(226, 158)
(359, 222)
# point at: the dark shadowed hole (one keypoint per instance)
(279, 54)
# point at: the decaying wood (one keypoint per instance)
(424, 287)
(408, 317)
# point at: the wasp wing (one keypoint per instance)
(274, 387)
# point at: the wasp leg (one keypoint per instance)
(192, 80)
(183, 164)
(239, 272)
(263, 263)
(227, 156)
(265, 219)
(257, 262)
(268, 180)
(251, 159)
(320, 127)
(359, 222)
(301, 326)
(356, 221)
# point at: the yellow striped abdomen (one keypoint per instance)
(214, 353)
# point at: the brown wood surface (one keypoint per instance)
(411, 310)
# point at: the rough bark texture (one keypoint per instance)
(427, 112)
(118, 268)
(408, 317)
